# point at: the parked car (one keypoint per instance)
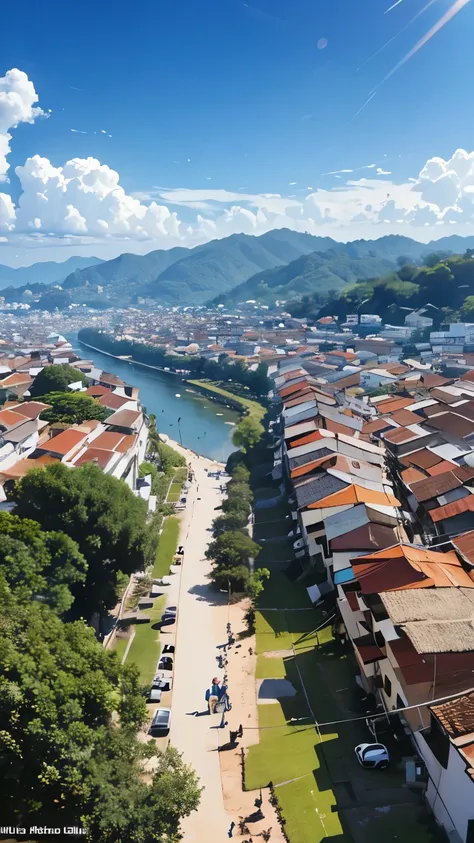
(168, 649)
(162, 682)
(155, 695)
(165, 663)
(167, 619)
(372, 755)
(171, 610)
(160, 725)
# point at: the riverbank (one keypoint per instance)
(246, 406)
(129, 359)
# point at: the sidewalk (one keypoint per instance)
(202, 618)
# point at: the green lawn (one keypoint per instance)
(253, 408)
(145, 647)
(174, 493)
(120, 645)
(167, 544)
(309, 770)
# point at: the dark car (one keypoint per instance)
(167, 620)
(165, 663)
(160, 725)
(168, 649)
(161, 684)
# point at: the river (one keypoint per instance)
(206, 427)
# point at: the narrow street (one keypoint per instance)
(202, 617)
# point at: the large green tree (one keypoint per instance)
(73, 408)
(100, 513)
(55, 378)
(69, 753)
(232, 548)
(248, 433)
(40, 565)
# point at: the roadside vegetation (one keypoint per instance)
(70, 711)
(232, 550)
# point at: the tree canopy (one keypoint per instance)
(55, 378)
(100, 513)
(73, 408)
(63, 761)
(40, 565)
(446, 282)
(248, 432)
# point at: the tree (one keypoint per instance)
(63, 760)
(55, 378)
(256, 580)
(40, 565)
(229, 522)
(98, 512)
(240, 474)
(234, 506)
(232, 548)
(247, 433)
(73, 408)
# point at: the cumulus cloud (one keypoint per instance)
(17, 105)
(83, 198)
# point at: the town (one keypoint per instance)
(354, 643)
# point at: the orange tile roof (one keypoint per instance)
(96, 455)
(123, 418)
(64, 442)
(10, 418)
(30, 409)
(354, 494)
(336, 427)
(405, 417)
(108, 440)
(127, 442)
(16, 379)
(113, 401)
(301, 470)
(21, 467)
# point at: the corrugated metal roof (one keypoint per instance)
(423, 458)
(465, 544)
(424, 490)
(318, 488)
(453, 509)
(450, 423)
(364, 538)
(456, 716)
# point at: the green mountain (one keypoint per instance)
(46, 272)
(320, 274)
(191, 275)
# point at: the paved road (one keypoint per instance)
(201, 625)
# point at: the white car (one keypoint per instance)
(372, 755)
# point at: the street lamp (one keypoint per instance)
(179, 431)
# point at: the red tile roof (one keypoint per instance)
(97, 391)
(113, 401)
(10, 418)
(123, 418)
(30, 409)
(108, 440)
(95, 455)
(64, 442)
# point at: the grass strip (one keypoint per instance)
(167, 544)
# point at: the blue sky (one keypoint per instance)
(240, 97)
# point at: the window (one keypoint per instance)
(387, 686)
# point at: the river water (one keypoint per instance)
(206, 427)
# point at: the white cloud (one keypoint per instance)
(82, 201)
(84, 197)
(17, 105)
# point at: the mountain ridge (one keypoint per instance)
(44, 272)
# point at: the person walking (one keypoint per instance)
(214, 694)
